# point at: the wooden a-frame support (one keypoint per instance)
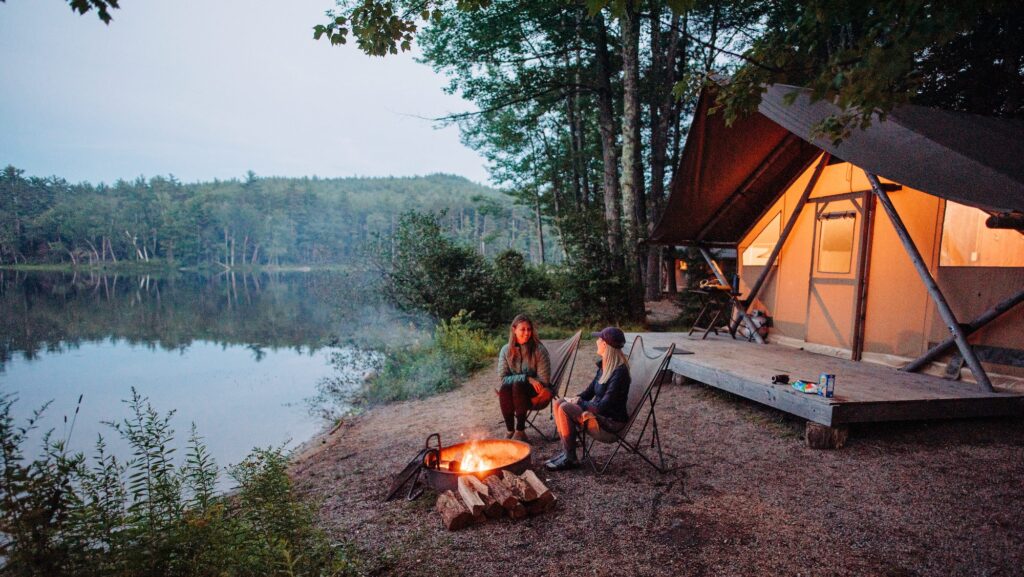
(959, 334)
(717, 270)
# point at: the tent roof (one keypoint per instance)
(728, 176)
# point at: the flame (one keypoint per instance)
(473, 462)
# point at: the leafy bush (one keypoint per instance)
(369, 377)
(425, 270)
(64, 515)
(518, 278)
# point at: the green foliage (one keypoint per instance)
(519, 278)
(433, 365)
(235, 224)
(427, 271)
(64, 515)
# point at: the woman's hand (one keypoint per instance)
(537, 386)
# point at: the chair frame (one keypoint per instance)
(563, 384)
(650, 399)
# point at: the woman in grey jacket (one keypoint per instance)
(524, 368)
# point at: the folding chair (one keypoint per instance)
(563, 360)
(646, 373)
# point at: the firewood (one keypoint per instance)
(517, 512)
(470, 497)
(541, 505)
(543, 493)
(520, 488)
(501, 492)
(478, 485)
(454, 514)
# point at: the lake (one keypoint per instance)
(239, 355)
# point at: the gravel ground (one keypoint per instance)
(750, 498)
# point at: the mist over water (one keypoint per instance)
(240, 355)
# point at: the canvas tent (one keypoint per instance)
(845, 278)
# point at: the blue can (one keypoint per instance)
(826, 384)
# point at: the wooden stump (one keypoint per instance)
(821, 437)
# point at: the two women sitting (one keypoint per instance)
(524, 368)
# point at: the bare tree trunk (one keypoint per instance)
(540, 227)
(630, 153)
(609, 153)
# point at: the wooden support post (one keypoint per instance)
(725, 282)
(933, 288)
(822, 437)
(975, 325)
(867, 228)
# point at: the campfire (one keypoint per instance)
(477, 480)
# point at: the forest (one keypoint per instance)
(254, 221)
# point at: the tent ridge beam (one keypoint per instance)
(959, 336)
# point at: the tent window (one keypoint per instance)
(966, 241)
(761, 248)
(835, 245)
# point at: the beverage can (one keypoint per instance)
(826, 384)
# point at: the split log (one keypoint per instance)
(543, 493)
(520, 488)
(821, 437)
(517, 512)
(454, 514)
(470, 497)
(501, 492)
(542, 505)
(492, 508)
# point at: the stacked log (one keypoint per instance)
(501, 494)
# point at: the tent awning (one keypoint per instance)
(728, 176)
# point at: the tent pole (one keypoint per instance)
(725, 282)
(768, 267)
(969, 329)
(929, 283)
(867, 229)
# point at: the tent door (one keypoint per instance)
(833, 278)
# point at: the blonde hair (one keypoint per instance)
(612, 359)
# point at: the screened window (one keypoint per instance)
(758, 252)
(966, 241)
(835, 243)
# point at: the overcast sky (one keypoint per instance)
(211, 89)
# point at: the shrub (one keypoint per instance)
(425, 270)
(518, 278)
(64, 515)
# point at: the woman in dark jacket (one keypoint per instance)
(524, 368)
(605, 398)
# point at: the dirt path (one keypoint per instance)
(937, 498)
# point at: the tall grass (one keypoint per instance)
(63, 514)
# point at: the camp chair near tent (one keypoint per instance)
(646, 371)
(563, 359)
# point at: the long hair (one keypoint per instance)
(531, 345)
(612, 359)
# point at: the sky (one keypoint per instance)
(212, 89)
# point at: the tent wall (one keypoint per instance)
(809, 307)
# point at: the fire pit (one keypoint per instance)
(440, 467)
(482, 459)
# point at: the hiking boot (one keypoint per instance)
(563, 464)
(521, 436)
(509, 434)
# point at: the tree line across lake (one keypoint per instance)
(253, 221)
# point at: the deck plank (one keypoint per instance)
(865, 392)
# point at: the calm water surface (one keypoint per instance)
(238, 355)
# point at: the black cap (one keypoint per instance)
(613, 336)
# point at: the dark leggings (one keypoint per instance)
(515, 401)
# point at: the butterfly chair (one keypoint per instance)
(563, 360)
(646, 372)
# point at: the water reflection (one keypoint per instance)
(238, 354)
(55, 312)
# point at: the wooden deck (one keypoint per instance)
(864, 392)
